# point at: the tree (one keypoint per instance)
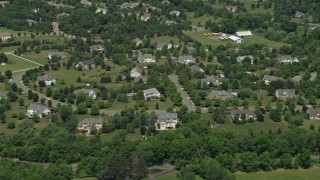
(35, 97)
(81, 108)
(8, 73)
(138, 167)
(304, 159)
(187, 174)
(65, 113)
(275, 115)
(3, 58)
(60, 170)
(21, 102)
(95, 109)
(140, 95)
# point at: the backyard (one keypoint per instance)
(16, 64)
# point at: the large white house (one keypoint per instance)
(88, 92)
(135, 72)
(39, 110)
(151, 93)
(5, 36)
(47, 80)
(57, 54)
(167, 121)
(90, 124)
(242, 114)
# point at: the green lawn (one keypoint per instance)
(307, 174)
(130, 137)
(15, 64)
(214, 43)
(3, 29)
(41, 57)
(172, 176)
(9, 49)
(165, 39)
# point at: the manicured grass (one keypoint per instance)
(172, 176)
(9, 49)
(15, 64)
(165, 39)
(214, 43)
(130, 137)
(307, 123)
(202, 20)
(151, 104)
(3, 29)
(41, 57)
(308, 174)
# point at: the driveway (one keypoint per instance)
(185, 97)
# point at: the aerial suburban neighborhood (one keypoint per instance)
(172, 89)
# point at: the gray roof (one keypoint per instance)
(241, 58)
(136, 69)
(210, 79)
(286, 57)
(242, 111)
(84, 90)
(313, 112)
(195, 69)
(137, 40)
(271, 78)
(45, 78)
(223, 93)
(59, 54)
(168, 116)
(3, 94)
(296, 78)
(151, 91)
(182, 59)
(142, 57)
(286, 92)
(96, 46)
(143, 78)
(87, 62)
(91, 121)
(39, 109)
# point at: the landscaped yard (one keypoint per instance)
(15, 64)
(307, 174)
(41, 57)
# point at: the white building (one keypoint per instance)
(152, 93)
(235, 39)
(57, 54)
(167, 121)
(5, 36)
(88, 92)
(135, 72)
(101, 10)
(145, 18)
(174, 13)
(244, 34)
(46, 79)
(90, 124)
(39, 110)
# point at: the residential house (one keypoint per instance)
(186, 60)
(214, 80)
(31, 22)
(101, 10)
(285, 93)
(287, 59)
(47, 80)
(196, 69)
(297, 78)
(39, 110)
(145, 17)
(130, 5)
(85, 64)
(314, 113)
(62, 15)
(232, 8)
(191, 49)
(3, 94)
(167, 121)
(3, 3)
(97, 47)
(235, 39)
(35, 10)
(89, 124)
(299, 14)
(146, 58)
(242, 114)
(244, 34)
(152, 93)
(137, 41)
(5, 36)
(59, 5)
(268, 79)
(174, 13)
(241, 58)
(141, 78)
(88, 92)
(135, 72)
(271, 70)
(60, 55)
(85, 2)
(222, 95)
(160, 46)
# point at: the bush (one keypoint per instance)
(14, 115)
(11, 125)
(21, 116)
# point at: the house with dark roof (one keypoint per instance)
(268, 79)
(186, 60)
(167, 121)
(86, 64)
(89, 124)
(39, 110)
(88, 92)
(146, 58)
(60, 55)
(47, 80)
(222, 95)
(210, 80)
(242, 114)
(285, 93)
(314, 113)
(3, 94)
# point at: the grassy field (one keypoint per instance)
(165, 39)
(172, 176)
(15, 63)
(308, 174)
(9, 49)
(41, 57)
(3, 29)
(214, 43)
(130, 137)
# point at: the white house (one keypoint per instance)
(287, 59)
(46, 79)
(232, 8)
(90, 124)
(39, 110)
(186, 60)
(235, 39)
(241, 58)
(174, 13)
(5, 36)
(101, 10)
(135, 72)
(167, 121)
(97, 47)
(268, 79)
(151, 93)
(85, 64)
(57, 54)
(146, 58)
(145, 17)
(3, 94)
(244, 34)
(88, 92)
(214, 80)
(285, 93)
(248, 114)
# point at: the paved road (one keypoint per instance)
(184, 95)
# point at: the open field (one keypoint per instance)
(308, 174)
(41, 57)
(3, 29)
(130, 137)
(9, 49)
(15, 64)
(172, 176)
(214, 43)
(165, 39)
